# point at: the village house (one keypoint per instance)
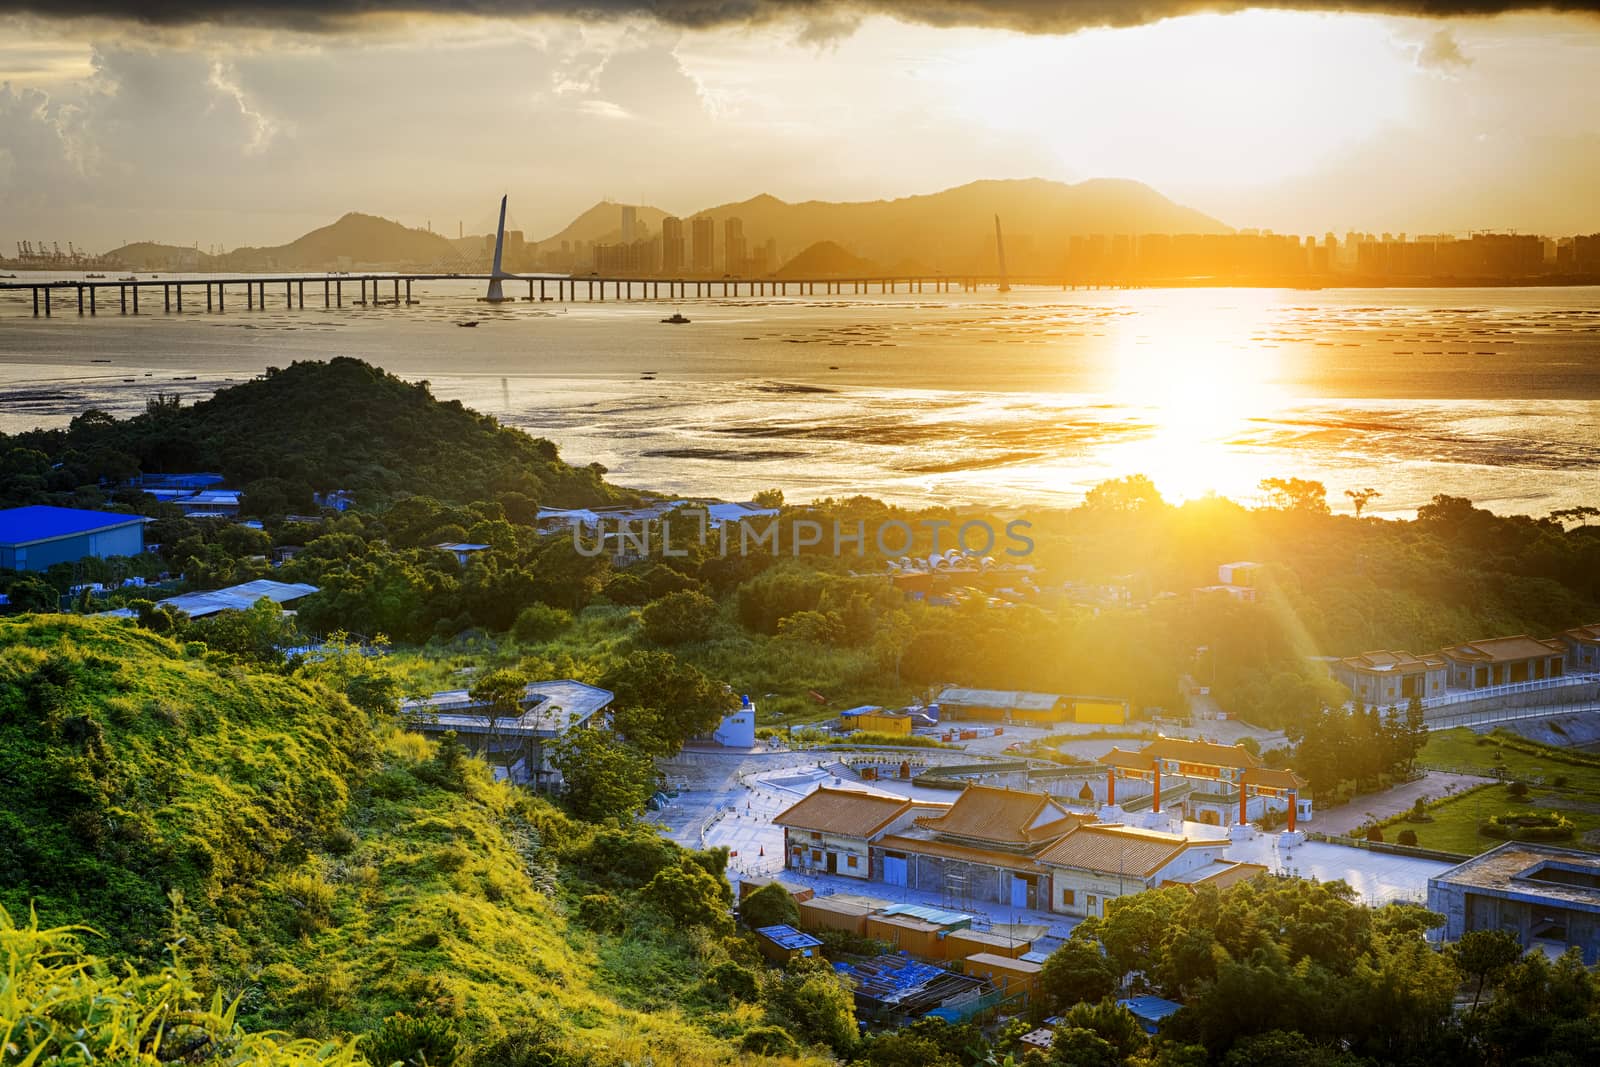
(831, 830)
(1097, 863)
(1504, 661)
(1392, 678)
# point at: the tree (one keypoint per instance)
(604, 776)
(1296, 494)
(678, 618)
(540, 622)
(771, 905)
(1077, 971)
(661, 701)
(1073, 1046)
(500, 694)
(1360, 498)
(1132, 494)
(689, 895)
(821, 1007)
(1483, 954)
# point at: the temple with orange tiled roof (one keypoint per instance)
(982, 849)
(1233, 767)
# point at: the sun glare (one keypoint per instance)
(1194, 373)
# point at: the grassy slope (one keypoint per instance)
(343, 881)
(1455, 821)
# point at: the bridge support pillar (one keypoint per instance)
(122, 297)
(222, 297)
(136, 300)
(300, 292)
(93, 289)
(338, 290)
(249, 297)
(397, 292)
(36, 301)
(80, 300)
(47, 303)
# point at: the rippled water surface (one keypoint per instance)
(1028, 398)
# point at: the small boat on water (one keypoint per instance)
(94, 275)
(675, 319)
(7, 275)
(470, 322)
(129, 278)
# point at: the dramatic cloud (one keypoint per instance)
(1441, 52)
(1031, 16)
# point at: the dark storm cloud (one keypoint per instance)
(1033, 16)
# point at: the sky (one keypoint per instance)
(257, 129)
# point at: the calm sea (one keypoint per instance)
(1024, 399)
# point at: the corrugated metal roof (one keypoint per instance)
(999, 698)
(788, 937)
(237, 597)
(929, 913)
(24, 526)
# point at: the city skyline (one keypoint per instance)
(208, 132)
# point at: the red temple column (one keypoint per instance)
(1155, 803)
(1244, 811)
(1111, 786)
(1294, 802)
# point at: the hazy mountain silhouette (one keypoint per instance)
(945, 231)
(954, 229)
(827, 259)
(363, 239)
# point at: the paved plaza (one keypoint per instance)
(730, 800)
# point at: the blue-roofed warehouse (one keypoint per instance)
(35, 538)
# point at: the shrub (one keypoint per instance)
(310, 900)
(1559, 781)
(1518, 790)
(430, 1041)
(733, 982)
(1528, 826)
(678, 617)
(1408, 837)
(540, 622)
(601, 912)
(1374, 834)
(771, 905)
(340, 841)
(769, 1041)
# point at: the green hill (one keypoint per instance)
(332, 870)
(343, 424)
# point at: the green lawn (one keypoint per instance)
(1557, 779)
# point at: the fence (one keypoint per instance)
(1496, 692)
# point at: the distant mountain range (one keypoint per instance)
(944, 231)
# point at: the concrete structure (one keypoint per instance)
(1583, 649)
(36, 538)
(1392, 678)
(1030, 709)
(1095, 864)
(1503, 661)
(1548, 897)
(549, 710)
(737, 729)
(236, 597)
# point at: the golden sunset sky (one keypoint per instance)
(256, 128)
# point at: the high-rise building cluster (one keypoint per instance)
(682, 248)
